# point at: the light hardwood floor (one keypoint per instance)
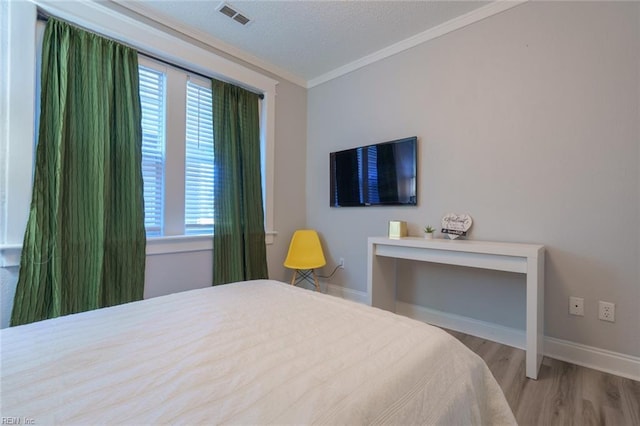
(564, 394)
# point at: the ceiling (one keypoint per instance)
(303, 40)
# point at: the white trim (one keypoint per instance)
(268, 135)
(591, 357)
(587, 356)
(17, 95)
(201, 36)
(564, 350)
(197, 35)
(347, 293)
(186, 243)
(10, 255)
(269, 236)
(179, 244)
(107, 22)
(4, 108)
(10, 246)
(430, 34)
(486, 330)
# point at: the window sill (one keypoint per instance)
(178, 244)
(188, 243)
(10, 253)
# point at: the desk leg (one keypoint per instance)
(381, 280)
(535, 315)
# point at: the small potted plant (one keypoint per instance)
(428, 232)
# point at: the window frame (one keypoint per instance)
(174, 189)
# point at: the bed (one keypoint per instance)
(254, 352)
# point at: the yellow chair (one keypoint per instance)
(305, 254)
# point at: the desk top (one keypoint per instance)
(469, 246)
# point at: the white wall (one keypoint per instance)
(290, 169)
(528, 121)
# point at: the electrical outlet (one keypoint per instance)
(576, 306)
(342, 263)
(607, 311)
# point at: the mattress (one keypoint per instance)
(255, 352)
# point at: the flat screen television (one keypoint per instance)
(383, 174)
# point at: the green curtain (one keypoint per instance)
(84, 246)
(239, 251)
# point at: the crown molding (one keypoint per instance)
(200, 36)
(479, 14)
(107, 22)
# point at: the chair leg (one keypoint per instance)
(306, 275)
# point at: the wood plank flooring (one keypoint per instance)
(564, 394)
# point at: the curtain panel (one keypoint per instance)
(239, 250)
(84, 246)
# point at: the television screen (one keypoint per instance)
(372, 175)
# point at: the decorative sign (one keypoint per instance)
(455, 225)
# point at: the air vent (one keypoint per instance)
(242, 19)
(228, 11)
(233, 13)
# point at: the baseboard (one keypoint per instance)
(347, 293)
(486, 330)
(591, 357)
(587, 356)
(564, 350)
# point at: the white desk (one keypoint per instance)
(526, 259)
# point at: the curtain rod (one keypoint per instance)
(43, 16)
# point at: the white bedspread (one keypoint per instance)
(247, 353)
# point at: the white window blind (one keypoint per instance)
(199, 172)
(152, 100)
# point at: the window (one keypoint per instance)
(17, 90)
(177, 152)
(199, 172)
